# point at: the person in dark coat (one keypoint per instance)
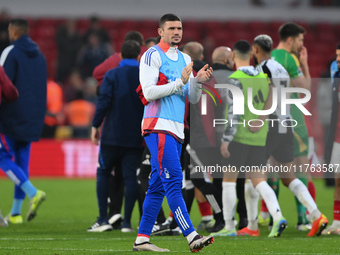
(21, 122)
(121, 141)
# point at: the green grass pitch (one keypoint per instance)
(71, 207)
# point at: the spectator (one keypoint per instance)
(4, 21)
(68, 45)
(78, 114)
(73, 84)
(53, 115)
(90, 89)
(94, 52)
(95, 27)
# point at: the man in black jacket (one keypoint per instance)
(121, 140)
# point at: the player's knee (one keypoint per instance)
(286, 181)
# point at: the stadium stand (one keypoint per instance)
(319, 38)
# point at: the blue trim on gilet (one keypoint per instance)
(171, 107)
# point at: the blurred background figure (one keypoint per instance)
(72, 85)
(54, 116)
(68, 44)
(94, 52)
(95, 28)
(4, 21)
(78, 114)
(151, 41)
(90, 89)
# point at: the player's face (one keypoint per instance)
(338, 58)
(297, 43)
(11, 32)
(254, 53)
(171, 32)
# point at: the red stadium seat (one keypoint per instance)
(83, 25)
(209, 26)
(274, 26)
(192, 25)
(108, 24)
(257, 26)
(324, 27)
(151, 25)
(127, 25)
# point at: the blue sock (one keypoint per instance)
(102, 193)
(29, 189)
(16, 207)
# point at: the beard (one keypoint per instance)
(175, 43)
(256, 62)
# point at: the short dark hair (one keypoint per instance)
(290, 29)
(151, 39)
(243, 46)
(168, 17)
(265, 42)
(135, 36)
(338, 47)
(21, 24)
(242, 49)
(130, 49)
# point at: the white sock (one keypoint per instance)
(191, 236)
(269, 197)
(264, 215)
(229, 203)
(252, 198)
(207, 217)
(301, 192)
(142, 239)
(336, 223)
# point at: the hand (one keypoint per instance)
(224, 150)
(186, 73)
(95, 135)
(303, 56)
(258, 125)
(204, 74)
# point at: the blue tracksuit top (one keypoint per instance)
(121, 107)
(25, 65)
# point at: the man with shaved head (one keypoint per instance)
(203, 143)
(223, 67)
(222, 60)
(194, 50)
